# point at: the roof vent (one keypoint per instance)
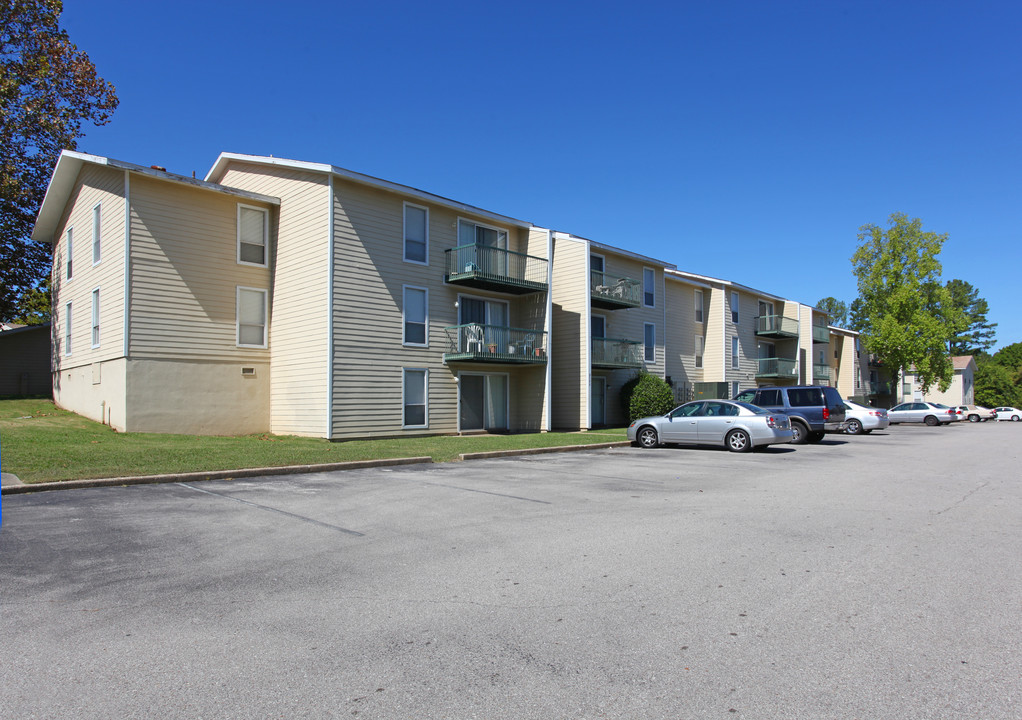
(157, 167)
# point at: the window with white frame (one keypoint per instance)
(734, 388)
(97, 253)
(252, 311)
(416, 310)
(414, 398)
(700, 349)
(416, 234)
(67, 329)
(734, 308)
(734, 353)
(70, 253)
(472, 233)
(649, 342)
(699, 306)
(648, 287)
(596, 263)
(253, 235)
(95, 318)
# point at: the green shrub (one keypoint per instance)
(625, 396)
(650, 396)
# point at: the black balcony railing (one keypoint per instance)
(777, 368)
(616, 353)
(611, 292)
(495, 344)
(777, 326)
(492, 268)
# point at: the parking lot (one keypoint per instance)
(865, 577)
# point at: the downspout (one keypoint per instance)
(663, 273)
(330, 310)
(127, 261)
(587, 333)
(549, 328)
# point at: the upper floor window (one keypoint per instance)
(70, 253)
(416, 305)
(700, 349)
(648, 287)
(95, 318)
(97, 250)
(734, 352)
(253, 235)
(734, 308)
(471, 233)
(649, 342)
(699, 306)
(251, 319)
(416, 234)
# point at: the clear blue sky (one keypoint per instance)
(747, 140)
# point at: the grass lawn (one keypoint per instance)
(40, 443)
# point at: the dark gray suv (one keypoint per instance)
(813, 409)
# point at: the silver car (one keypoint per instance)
(919, 412)
(860, 419)
(737, 426)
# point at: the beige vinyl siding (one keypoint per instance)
(682, 329)
(570, 318)
(299, 335)
(717, 319)
(184, 274)
(103, 185)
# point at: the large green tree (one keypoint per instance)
(905, 314)
(978, 336)
(1010, 356)
(48, 90)
(837, 310)
(997, 384)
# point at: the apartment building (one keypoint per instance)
(302, 298)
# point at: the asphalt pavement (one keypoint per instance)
(864, 577)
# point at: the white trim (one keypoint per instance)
(97, 233)
(425, 312)
(425, 397)
(331, 261)
(404, 232)
(127, 261)
(644, 326)
(266, 235)
(587, 334)
(237, 317)
(548, 327)
(645, 259)
(94, 326)
(652, 270)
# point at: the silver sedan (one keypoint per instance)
(737, 426)
(919, 412)
(862, 419)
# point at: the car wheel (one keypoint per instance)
(854, 427)
(648, 437)
(931, 420)
(799, 433)
(974, 418)
(815, 437)
(738, 441)
(1014, 418)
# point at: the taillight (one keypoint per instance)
(775, 422)
(826, 413)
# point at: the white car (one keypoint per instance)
(1008, 413)
(976, 413)
(863, 420)
(920, 412)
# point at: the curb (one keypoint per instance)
(213, 475)
(540, 451)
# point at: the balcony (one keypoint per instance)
(821, 334)
(821, 371)
(613, 293)
(777, 368)
(491, 268)
(776, 326)
(495, 344)
(615, 353)
(879, 388)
